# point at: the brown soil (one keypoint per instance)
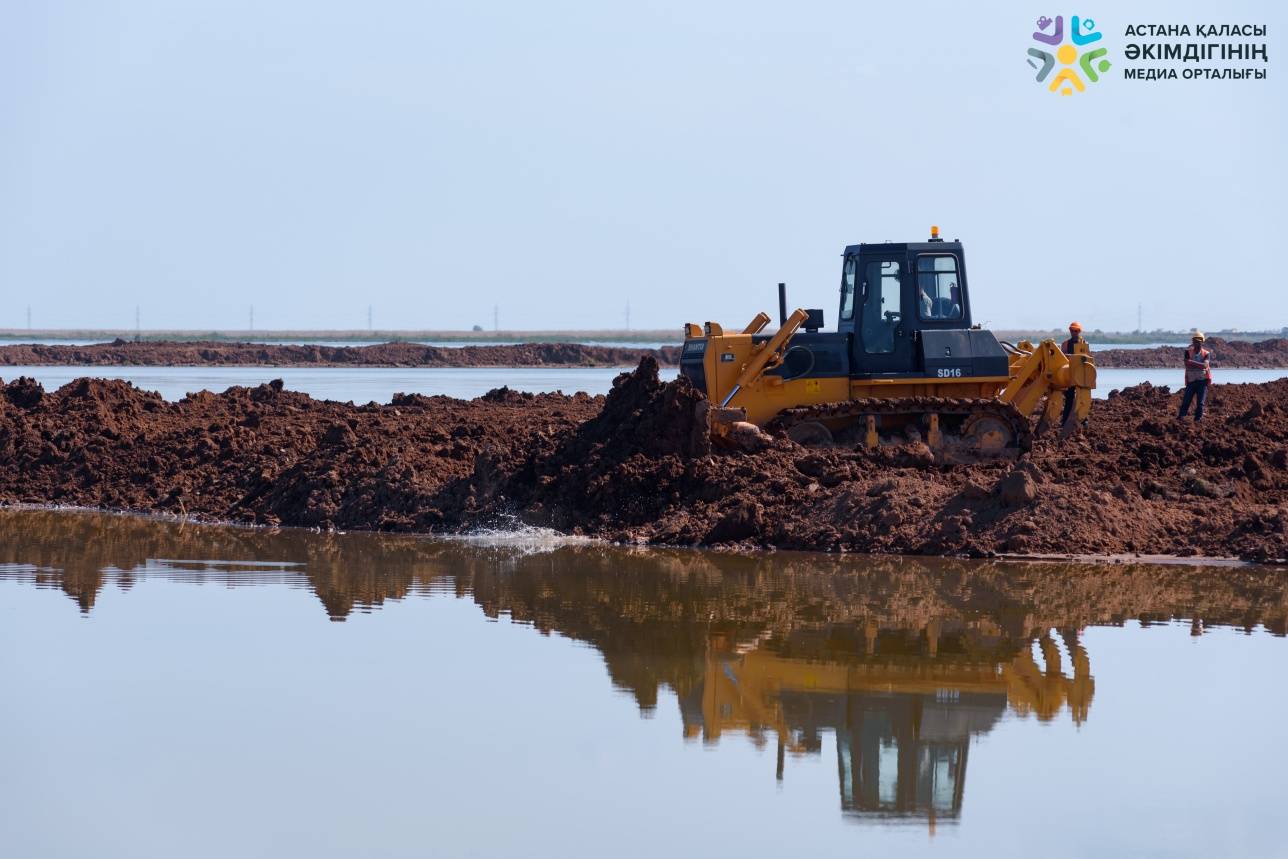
(1225, 353)
(638, 467)
(195, 354)
(268, 455)
(1136, 481)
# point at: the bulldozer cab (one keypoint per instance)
(891, 292)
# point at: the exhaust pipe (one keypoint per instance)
(782, 304)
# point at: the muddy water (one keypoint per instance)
(364, 384)
(203, 691)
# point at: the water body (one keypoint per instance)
(356, 384)
(1110, 378)
(180, 690)
(365, 384)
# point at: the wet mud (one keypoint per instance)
(638, 467)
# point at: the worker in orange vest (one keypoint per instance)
(1067, 347)
(1198, 375)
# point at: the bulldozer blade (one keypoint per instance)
(1051, 413)
(1071, 426)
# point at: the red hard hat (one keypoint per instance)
(1075, 326)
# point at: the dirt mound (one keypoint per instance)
(621, 467)
(263, 454)
(638, 467)
(1264, 354)
(195, 354)
(642, 416)
(24, 392)
(1138, 481)
(505, 394)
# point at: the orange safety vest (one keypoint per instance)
(1195, 374)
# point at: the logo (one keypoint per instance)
(1079, 52)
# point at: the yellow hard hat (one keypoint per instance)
(1197, 335)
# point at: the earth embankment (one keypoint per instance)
(638, 467)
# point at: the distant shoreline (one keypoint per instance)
(128, 353)
(1270, 353)
(609, 336)
(308, 336)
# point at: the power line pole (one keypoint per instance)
(28, 317)
(1139, 325)
(370, 327)
(496, 317)
(138, 326)
(628, 314)
(252, 317)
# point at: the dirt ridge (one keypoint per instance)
(638, 467)
(1265, 354)
(124, 353)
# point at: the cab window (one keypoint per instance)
(939, 294)
(881, 311)
(847, 290)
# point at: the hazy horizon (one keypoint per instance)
(559, 161)
(487, 333)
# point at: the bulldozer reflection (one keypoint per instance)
(904, 661)
(903, 704)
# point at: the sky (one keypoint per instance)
(561, 161)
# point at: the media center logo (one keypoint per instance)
(1079, 51)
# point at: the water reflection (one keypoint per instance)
(903, 703)
(903, 661)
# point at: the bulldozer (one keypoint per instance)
(905, 361)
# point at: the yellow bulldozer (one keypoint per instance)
(905, 361)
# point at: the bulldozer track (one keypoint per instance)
(1021, 430)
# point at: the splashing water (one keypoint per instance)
(510, 532)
